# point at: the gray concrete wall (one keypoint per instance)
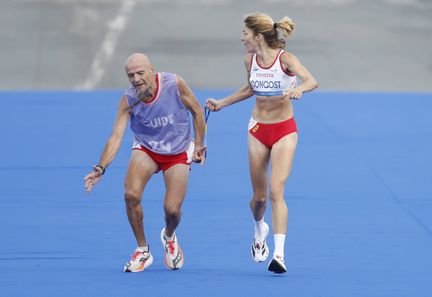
(349, 45)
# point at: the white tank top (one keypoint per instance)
(270, 81)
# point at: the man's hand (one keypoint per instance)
(199, 154)
(92, 178)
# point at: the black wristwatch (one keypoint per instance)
(101, 168)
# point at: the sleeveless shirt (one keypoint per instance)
(162, 125)
(270, 81)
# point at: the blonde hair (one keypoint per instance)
(262, 23)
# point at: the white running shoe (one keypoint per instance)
(174, 258)
(140, 260)
(277, 265)
(260, 250)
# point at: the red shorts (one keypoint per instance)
(165, 162)
(269, 134)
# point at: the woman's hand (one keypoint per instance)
(213, 104)
(295, 93)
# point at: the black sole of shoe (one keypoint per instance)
(275, 267)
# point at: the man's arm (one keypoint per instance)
(190, 101)
(112, 146)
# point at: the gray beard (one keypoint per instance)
(143, 95)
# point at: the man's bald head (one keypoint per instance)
(140, 73)
(135, 61)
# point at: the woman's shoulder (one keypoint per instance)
(287, 56)
(287, 60)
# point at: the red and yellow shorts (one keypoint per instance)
(269, 134)
(165, 162)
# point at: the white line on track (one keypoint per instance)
(104, 54)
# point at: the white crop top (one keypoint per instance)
(270, 81)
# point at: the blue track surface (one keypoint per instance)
(359, 198)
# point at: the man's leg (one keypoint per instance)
(176, 180)
(141, 168)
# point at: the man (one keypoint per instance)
(158, 106)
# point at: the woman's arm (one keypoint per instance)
(292, 64)
(241, 94)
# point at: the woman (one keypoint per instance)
(272, 136)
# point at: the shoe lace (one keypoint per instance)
(258, 244)
(136, 254)
(171, 246)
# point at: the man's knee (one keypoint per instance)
(132, 197)
(172, 211)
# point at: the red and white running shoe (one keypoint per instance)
(140, 260)
(174, 258)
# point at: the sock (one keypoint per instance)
(145, 248)
(279, 242)
(169, 238)
(260, 229)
